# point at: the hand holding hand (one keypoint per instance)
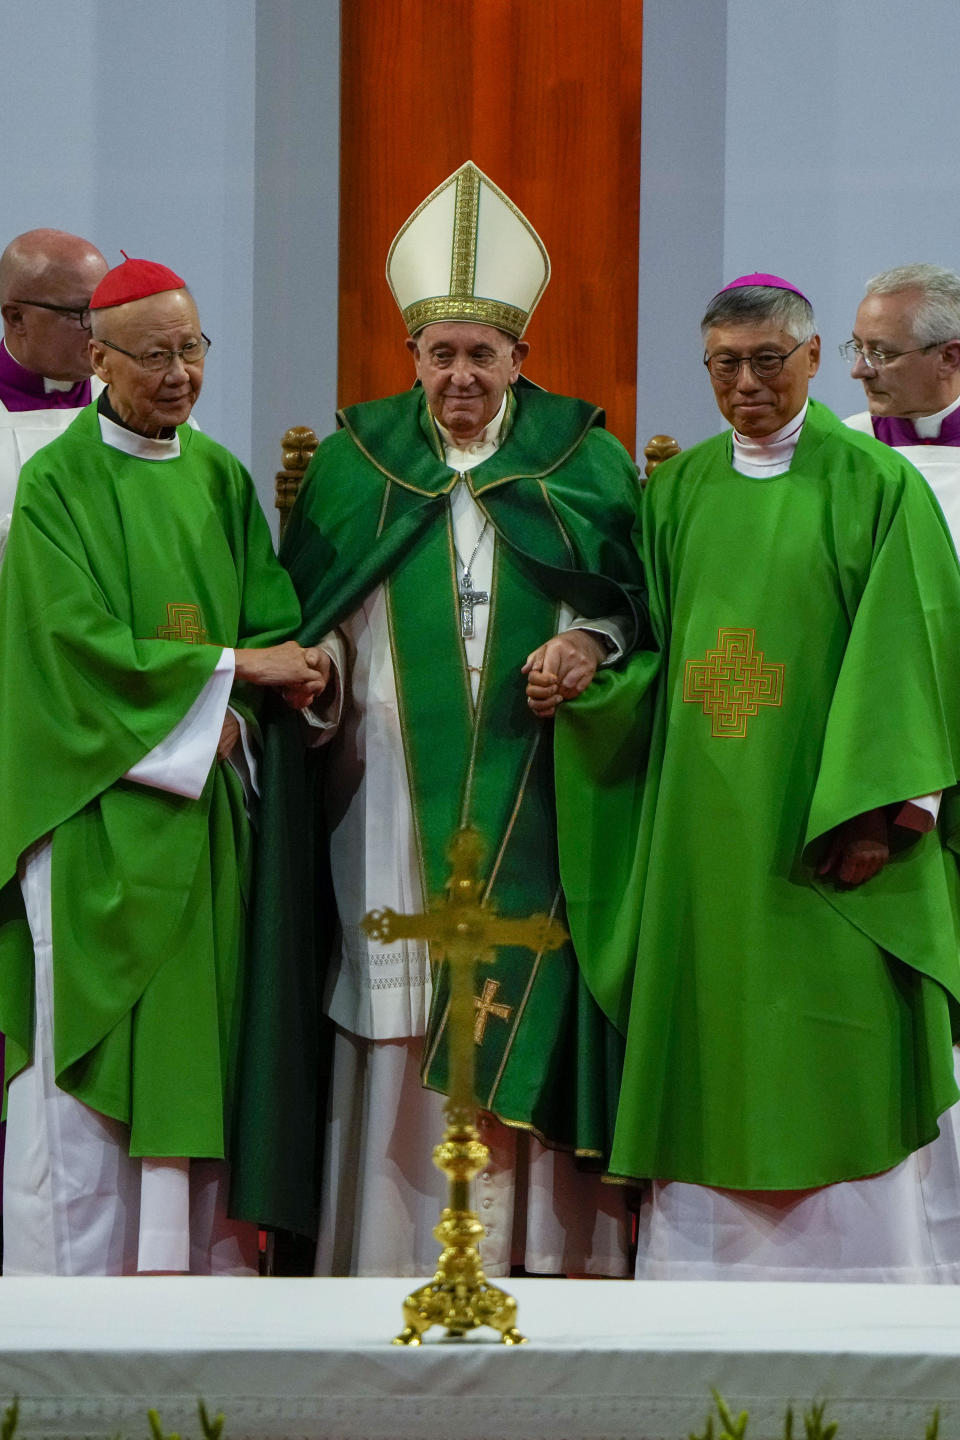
(561, 669)
(285, 665)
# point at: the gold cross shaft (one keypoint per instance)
(464, 931)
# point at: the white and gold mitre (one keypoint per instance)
(467, 253)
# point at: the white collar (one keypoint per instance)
(144, 447)
(928, 426)
(768, 455)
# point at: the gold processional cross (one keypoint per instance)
(463, 931)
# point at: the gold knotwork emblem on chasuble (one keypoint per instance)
(184, 622)
(732, 682)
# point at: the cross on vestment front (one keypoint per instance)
(465, 932)
(486, 1005)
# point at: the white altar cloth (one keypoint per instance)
(607, 1359)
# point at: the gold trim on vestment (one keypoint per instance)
(414, 812)
(538, 474)
(473, 708)
(455, 474)
(521, 791)
(579, 1151)
(384, 505)
(521, 1009)
(559, 524)
(396, 479)
(477, 708)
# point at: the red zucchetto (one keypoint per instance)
(134, 280)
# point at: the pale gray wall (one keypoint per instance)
(841, 151)
(681, 212)
(812, 140)
(295, 224)
(201, 133)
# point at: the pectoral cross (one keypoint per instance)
(468, 598)
(463, 929)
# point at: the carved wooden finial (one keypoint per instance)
(298, 445)
(657, 449)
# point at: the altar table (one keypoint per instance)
(607, 1360)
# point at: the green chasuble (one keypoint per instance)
(123, 579)
(560, 494)
(782, 1031)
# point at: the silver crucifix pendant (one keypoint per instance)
(468, 598)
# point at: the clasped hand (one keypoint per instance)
(300, 674)
(561, 669)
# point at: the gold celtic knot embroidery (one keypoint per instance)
(184, 622)
(732, 683)
(485, 1007)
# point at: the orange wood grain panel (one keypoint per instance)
(543, 95)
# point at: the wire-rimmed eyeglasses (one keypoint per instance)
(765, 364)
(875, 358)
(191, 353)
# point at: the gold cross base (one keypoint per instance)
(459, 1295)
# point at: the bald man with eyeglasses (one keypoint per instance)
(905, 351)
(46, 280)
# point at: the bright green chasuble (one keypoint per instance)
(123, 579)
(782, 1032)
(560, 494)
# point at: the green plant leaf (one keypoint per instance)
(11, 1417)
(156, 1428)
(212, 1429)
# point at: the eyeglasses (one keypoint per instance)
(852, 351)
(191, 354)
(77, 313)
(765, 364)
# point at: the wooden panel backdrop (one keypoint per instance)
(543, 95)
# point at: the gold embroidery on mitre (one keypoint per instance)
(732, 683)
(463, 261)
(465, 307)
(184, 622)
(485, 1006)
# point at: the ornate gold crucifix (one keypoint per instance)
(465, 932)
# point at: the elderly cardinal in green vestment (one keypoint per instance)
(140, 606)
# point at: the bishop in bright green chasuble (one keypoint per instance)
(782, 1030)
(123, 581)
